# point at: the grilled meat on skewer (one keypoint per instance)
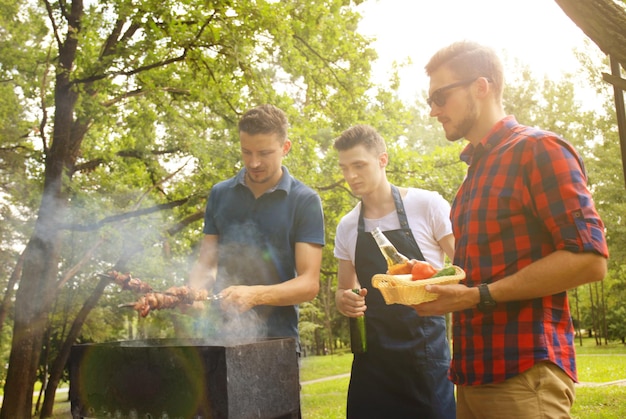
(172, 298)
(127, 282)
(188, 295)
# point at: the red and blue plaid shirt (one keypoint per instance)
(524, 197)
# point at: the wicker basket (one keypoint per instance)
(400, 289)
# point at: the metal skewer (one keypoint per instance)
(214, 297)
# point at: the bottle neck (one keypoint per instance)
(381, 239)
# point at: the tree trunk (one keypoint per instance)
(580, 333)
(605, 330)
(58, 365)
(594, 323)
(603, 21)
(37, 290)
(6, 305)
(33, 302)
(43, 372)
(329, 307)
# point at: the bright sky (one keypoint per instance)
(535, 32)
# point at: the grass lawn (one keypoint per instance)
(596, 364)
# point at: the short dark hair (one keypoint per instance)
(468, 59)
(360, 135)
(265, 119)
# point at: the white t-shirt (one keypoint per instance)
(428, 215)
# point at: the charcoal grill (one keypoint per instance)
(190, 378)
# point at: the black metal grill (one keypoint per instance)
(174, 378)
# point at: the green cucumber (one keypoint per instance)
(449, 271)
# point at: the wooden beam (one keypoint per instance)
(602, 21)
(616, 81)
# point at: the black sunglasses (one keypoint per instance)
(438, 97)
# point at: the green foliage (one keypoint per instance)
(616, 300)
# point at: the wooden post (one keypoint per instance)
(619, 85)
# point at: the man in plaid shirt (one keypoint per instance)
(526, 231)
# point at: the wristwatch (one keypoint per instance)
(487, 303)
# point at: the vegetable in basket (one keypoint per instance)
(424, 270)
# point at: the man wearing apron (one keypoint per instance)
(403, 374)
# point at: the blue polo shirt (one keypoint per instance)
(257, 238)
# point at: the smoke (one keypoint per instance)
(238, 328)
(229, 328)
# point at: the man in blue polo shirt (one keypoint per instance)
(263, 232)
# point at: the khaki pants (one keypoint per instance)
(543, 392)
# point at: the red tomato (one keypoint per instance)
(422, 270)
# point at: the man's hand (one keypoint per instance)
(350, 304)
(455, 297)
(239, 298)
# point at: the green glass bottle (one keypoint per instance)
(358, 338)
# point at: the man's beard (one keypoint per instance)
(462, 128)
(257, 180)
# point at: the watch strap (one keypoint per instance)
(487, 303)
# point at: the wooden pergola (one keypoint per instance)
(604, 22)
(619, 86)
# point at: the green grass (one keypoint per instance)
(589, 347)
(596, 364)
(606, 402)
(601, 368)
(325, 366)
(324, 400)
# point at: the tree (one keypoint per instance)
(118, 95)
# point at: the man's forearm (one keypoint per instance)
(553, 274)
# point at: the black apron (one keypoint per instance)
(403, 374)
